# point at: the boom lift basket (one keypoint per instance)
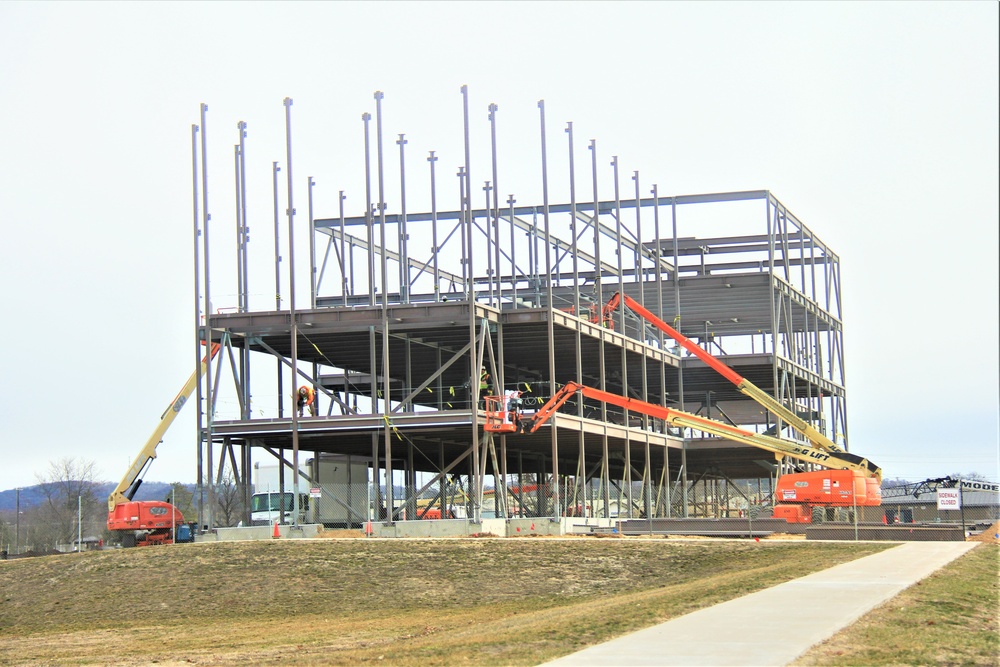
(498, 415)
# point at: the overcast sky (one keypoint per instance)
(875, 123)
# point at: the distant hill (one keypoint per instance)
(32, 495)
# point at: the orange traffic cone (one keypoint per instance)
(277, 533)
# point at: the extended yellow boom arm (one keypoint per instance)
(124, 491)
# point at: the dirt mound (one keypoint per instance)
(990, 536)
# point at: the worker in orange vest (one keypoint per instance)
(306, 397)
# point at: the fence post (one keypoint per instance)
(855, 500)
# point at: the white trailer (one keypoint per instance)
(333, 491)
(273, 499)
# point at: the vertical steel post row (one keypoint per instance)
(404, 237)
(640, 278)
(581, 470)
(771, 230)
(384, 263)
(496, 205)
(434, 231)
(627, 473)
(474, 481)
(346, 288)
(313, 289)
(550, 324)
(467, 197)
(573, 222)
(244, 264)
(840, 362)
(513, 261)
(618, 254)
(680, 364)
(197, 310)
(209, 396)
(372, 364)
(247, 467)
(244, 229)
(369, 223)
(369, 231)
(599, 294)
(489, 246)
(659, 306)
(500, 476)
(532, 256)
(312, 244)
(290, 212)
(239, 231)
(439, 388)
(640, 273)
(809, 338)
(461, 224)
(277, 281)
(410, 492)
(389, 491)
(817, 338)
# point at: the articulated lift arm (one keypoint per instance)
(744, 385)
(835, 460)
(130, 482)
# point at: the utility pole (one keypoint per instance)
(17, 521)
(79, 524)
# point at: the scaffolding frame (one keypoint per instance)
(518, 291)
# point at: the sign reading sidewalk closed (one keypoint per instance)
(949, 499)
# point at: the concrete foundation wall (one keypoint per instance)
(498, 527)
(244, 533)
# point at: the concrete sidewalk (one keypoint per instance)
(776, 625)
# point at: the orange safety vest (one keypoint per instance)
(306, 395)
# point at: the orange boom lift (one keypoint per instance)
(148, 522)
(849, 480)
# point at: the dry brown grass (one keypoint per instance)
(399, 602)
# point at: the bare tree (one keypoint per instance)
(67, 483)
(229, 505)
(970, 476)
(183, 499)
(6, 537)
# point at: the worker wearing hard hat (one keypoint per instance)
(306, 397)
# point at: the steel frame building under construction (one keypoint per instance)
(406, 310)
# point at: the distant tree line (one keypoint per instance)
(68, 500)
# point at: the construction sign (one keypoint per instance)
(949, 499)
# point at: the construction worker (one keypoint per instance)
(306, 397)
(484, 386)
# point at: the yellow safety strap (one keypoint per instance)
(389, 425)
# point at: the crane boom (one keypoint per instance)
(836, 460)
(745, 386)
(127, 486)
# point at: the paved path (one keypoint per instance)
(776, 625)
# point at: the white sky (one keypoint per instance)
(875, 123)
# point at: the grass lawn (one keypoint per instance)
(949, 618)
(398, 602)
